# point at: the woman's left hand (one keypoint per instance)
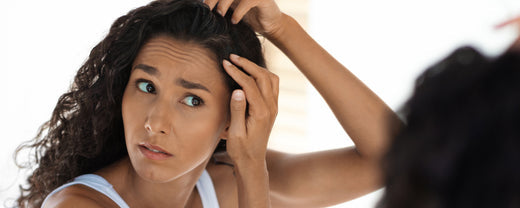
(249, 131)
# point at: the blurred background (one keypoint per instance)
(385, 43)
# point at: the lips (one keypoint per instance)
(154, 152)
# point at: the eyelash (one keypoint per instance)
(150, 88)
(143, 81)
(199, 100)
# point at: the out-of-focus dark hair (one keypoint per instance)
(460, 146)
(85, 132)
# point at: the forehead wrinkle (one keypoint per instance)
(163, 51)
(174, 51)
(175, 46)
(184, 60)
(170, 47)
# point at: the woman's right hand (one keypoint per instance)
(263, 15)
(249, 128)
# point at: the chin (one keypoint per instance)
(154, 175)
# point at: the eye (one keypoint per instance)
(192, 101)
(145, 86)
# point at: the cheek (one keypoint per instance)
(203, 128)
(201, 125)
(130, 110)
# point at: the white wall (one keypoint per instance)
(388, 43)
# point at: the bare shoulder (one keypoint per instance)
(79, 196)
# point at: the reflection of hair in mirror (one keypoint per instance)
(85, 132)
(461, 144)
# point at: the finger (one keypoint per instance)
(261, 75)
(223, 6)
(240, 11)
(237, 125)
(509, 22)
(264, 81)
(249, 85)
(250, 67)
(211, 3)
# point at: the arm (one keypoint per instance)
(336, 175)
(328, 177)
(361, 113)
(252, 185)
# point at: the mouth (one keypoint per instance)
(154, 152)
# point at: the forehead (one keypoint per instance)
(180, 59)
(164, 48)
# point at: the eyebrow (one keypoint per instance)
(180, 81)
(191, 85)
(148, 69)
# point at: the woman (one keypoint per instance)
(305, 180)
(148, 109)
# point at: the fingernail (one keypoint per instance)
(227, 63)
(234, 57)
(220, 12)
(238, 95)
(234, 21)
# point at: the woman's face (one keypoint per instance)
(175, 109)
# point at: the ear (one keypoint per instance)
(225, 133)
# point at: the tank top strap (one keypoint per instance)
(206, 190)
(97, 183)
(204, 186)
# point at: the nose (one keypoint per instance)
(158, 119)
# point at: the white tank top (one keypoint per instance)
(204, 187)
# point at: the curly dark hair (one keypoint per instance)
(85, 132)
(461, 144)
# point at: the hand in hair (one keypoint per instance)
(263, 15)
(253, 112)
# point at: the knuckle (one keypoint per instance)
(264, 72)
(264, 115)
(250, 81)
(275, 77)
(236, 135)
(221, 4)
(252, 4)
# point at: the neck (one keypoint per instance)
(138, 192)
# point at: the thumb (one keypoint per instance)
(237, 126)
